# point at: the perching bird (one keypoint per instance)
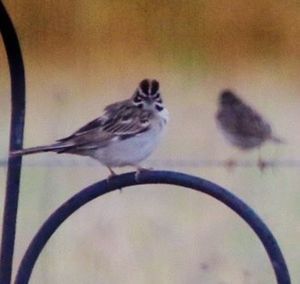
(125, 135)
(241, 125)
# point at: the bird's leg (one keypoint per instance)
(138, 172)
(262, 164)
(230, 164)
(112, 174)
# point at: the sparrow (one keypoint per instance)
(242, 125)
(125, 135)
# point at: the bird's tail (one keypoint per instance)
(277, 140)
(47, 148)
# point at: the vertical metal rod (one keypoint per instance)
(17, 75)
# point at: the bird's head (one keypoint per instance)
(227, 97)
(147, 95)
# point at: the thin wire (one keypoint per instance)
(165, 163)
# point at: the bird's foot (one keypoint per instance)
(262, 164)
(111, 176)
(139, 171)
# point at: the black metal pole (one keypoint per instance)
(16, 68)
(147, 177)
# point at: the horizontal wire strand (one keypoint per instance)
(172, 163)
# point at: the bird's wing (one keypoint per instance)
(250, 123)
(120, 121)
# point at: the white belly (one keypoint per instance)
(131, 151)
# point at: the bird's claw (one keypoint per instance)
(111, 176)
(139, 171)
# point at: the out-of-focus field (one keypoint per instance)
(80, 56)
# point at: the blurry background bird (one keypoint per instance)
(242, 125)
(125, 135)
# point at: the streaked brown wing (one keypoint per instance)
(115, 107)
(120, 121)
(94, 124)
(109, 112)
(128, 122)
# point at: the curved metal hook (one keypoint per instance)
(17, 75)
(153, 177)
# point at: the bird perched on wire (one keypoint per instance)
(241, 125)
(125, 135)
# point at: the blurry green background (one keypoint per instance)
(80, 56)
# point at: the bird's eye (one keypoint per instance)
(158, 99)
(155, 96)
(159, 108)
(137, 99)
